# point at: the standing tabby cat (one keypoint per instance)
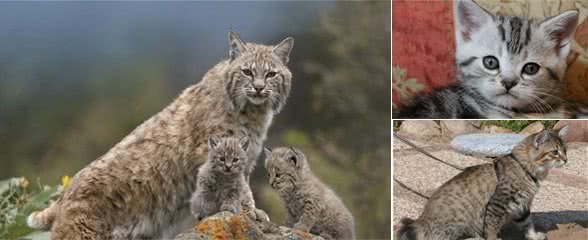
(141, 188)
(311, 205)
(221, 180)
(506, 66)
(480, 200)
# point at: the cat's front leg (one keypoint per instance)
(308, 218)
(231, 202)
(249, 203)
(524, 222)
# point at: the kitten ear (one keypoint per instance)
(469, 18)
(540, 138)
(267, 152)
(244, 142)
(236, 46)
(283, 49)
(562, 131)
(213, 141)
(561, 29)
(294, 158)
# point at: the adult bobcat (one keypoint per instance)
(141, 188)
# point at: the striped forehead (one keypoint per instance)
(515, 32)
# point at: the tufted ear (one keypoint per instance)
(236, 46)
(267, 152)
(562, 131)
(561, 29)
(470, 17)
(244, 142)
(213, 141)
(283, 49)
(294, 158)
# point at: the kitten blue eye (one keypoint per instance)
(531, 68)
(270, 74)
(222, 159)
(235, 160)
(490, 62)
(247, 72)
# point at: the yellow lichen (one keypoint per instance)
(302, 234)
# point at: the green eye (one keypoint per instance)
(247, 72)
(270, 74)
(490, 62)
(531, 68)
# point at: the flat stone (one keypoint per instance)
(533, 128)
(459, 127)
(495, 129)
(419, 129)
(485, 144)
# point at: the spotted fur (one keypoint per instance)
(480, 200)
(311, 205)
(141, 188)
(513, 88)
(221, 180)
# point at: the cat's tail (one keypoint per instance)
(407, 230)
(42, 219)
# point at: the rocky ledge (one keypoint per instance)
(226, 225)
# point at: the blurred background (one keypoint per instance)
(75, 78)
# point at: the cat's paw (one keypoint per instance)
(229, 208)
(533, 235)
(261, 216)
(301, 227)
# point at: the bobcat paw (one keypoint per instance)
(229, 208)
(260, 215)
(533, 235)
(301, 227)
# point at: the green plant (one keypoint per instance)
(18, 200)
(519, 125)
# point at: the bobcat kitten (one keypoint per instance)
(141, 188)
(480, 200)
(221, 180)
(311, 205)
(507, 67)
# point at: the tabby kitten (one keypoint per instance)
(507, 66)
(311, 205)
(141, 188)
(480, 200)
(221, 180)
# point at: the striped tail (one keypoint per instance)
(407, 231)
(42, 219)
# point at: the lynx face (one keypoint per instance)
(258, 74)
(549, 149)
(228, 155)
(283, 166)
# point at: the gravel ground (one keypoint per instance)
(560, 208)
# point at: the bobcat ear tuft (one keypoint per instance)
(236, 46)
(213, 141)
(470, 17)
(294, 158)
(562, 131)
(244, 142)
(267, 152)
(283, 49)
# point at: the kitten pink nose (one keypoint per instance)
(508, 84)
